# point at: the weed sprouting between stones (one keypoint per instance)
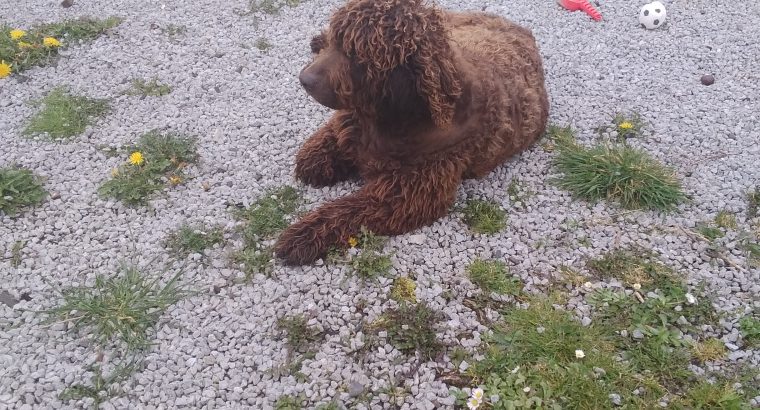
(19, 188)
(151, 88)
(22, 49)
(64, 115)
(262, 221)
(118, 310)
(493, 276)
(194, 239)
(156, 161)
(483, 216)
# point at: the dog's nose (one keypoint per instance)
(307, 80)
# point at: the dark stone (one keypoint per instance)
(656, 22)
(7, 299)
(67, 3)
(646, 12)
(707, 79)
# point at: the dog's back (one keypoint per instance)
(507, 62)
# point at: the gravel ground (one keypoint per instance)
(216, 349)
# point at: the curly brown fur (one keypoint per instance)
(424, 98)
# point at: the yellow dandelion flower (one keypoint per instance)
(17, 33)
(24, 45)
(352, 242)
(136, 158)
(5, 69)
(625, 125)
(51, 42)
(175, 180)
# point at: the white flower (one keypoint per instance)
(515, 369)
(473, 403)
(637, 286)
(579, 354)
(526, 389)
(540, 329)
(588, 285)
(691, 299)
(477, 394)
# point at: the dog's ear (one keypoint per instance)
(400, 98)
(434, 67)
(317, 43)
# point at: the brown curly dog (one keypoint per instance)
(424, 98)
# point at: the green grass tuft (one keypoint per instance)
(65, 115)
(615, 172)
(709, 350)
(263, 220)
(79, 30)
(102, 387)
(255, 259)
(725, 220)
(19, 188)
(750, 330)
(484, 217)
(268, 6)
(173, 30)
(753, 203)
(531, 360)
(194, 239)
(150, 88)
(165, 156)
(493, 276)
(411, 328)
(262, 44)
(716, 396)
(753, 252)
(711, 233)
(288, 402)
(29, 50)
(632, 267)
(120, 309)
(267, 216)
(298, 333)
(16, 249)
(369, 262)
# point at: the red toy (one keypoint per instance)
(584, 5)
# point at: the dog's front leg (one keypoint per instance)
(325, 158)
(392, 204)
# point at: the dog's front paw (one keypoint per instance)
(301, 244)
(322, 169)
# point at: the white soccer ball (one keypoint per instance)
(652, 15)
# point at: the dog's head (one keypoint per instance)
(385, 59)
